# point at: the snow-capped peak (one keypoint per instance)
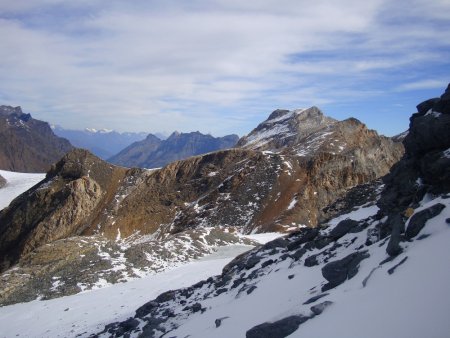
(100, 131)
(283, 127)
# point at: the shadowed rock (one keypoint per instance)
(339, 271)
(279, 329)
(26, 144)
(417, 221)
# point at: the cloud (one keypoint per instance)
(217, 66)
(423, 84)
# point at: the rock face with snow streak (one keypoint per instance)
(26, 144)
(310, 282)
(285, 128)
(246, 189)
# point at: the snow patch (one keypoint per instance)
(16, 184)
(292, 204)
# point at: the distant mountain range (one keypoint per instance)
(27, 144)
(154, 153)
(30, 145)
(102, 142)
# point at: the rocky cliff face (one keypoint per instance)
(425, 168)
(62, 205)
(26, 144)
(383, 245)
(245, 189)
(154, 153)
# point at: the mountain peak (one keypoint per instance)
(28, 144)
(100, 131)
(285, 127)
(176, 133)
(10, 110)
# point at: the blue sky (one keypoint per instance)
(221, 66)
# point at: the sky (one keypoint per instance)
(221, 66)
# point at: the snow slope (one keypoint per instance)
(404, 296)
(17, 183)
(90, 311)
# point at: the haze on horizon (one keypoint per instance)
(221, 66)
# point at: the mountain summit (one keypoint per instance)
(285, 128)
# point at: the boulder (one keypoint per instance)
(342, 228)
(279, 329)
(417, 221)
(337, 272)
(2, 181)
(427, 133)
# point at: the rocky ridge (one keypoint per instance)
(282, 189)
(155, 153)
(26, 144)
(372, 251)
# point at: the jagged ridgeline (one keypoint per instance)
(379, 268)
(279, 178)
(155, 153)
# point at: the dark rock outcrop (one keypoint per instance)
(398, 228)
(417, 221)
(342, 228)
(2, 181)
(337, 272)
(425, 166)
(279, 329)
(26, 144)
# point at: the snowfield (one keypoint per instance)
(16, 184)
(88, 312)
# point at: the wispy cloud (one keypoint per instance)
(218, 66)
(424, 84)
